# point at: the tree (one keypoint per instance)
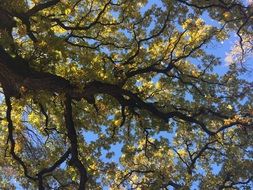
(80, 77)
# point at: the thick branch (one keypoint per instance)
(71, 132)
(11, 138)
(51, 168)
(41, 6)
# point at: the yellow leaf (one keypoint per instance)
(67, 11)
(18, 147)
(58, 29)
(195, 74)
(117, 122)
(227, 15)
(182, 152)
(158, 85)
(229, 107)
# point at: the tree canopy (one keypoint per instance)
(125, 94)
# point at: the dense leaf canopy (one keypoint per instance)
(125, 94)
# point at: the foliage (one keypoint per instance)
(125, 94)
